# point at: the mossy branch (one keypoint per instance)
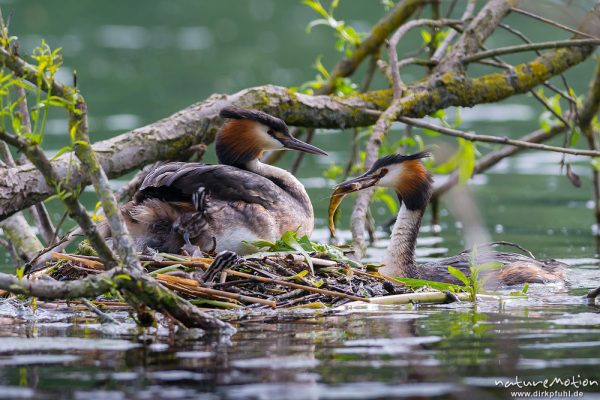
(137, 287)
(77, 211)
(23, 186)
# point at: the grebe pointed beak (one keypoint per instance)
(362, 182)
(292, 143)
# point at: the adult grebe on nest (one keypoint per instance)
(218, 207)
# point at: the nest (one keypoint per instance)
(280, 279)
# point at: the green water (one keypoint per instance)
(139, 61)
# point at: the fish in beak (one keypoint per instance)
(292, 143)
(365, 181)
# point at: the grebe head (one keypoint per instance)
(248, 133)
(405, 174)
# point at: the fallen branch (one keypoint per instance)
(23, 186)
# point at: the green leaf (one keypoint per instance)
(574, 137)
(458, 275)
(61, 152)
(321, 68)
(489, 266)
(381, 195)
(315, 5)
(431, 132)
(333, 172)
(261, 243)
(418, 283)
(289, 238)
(306, 244)
(457, 117)
(555, 104)
(426, 35)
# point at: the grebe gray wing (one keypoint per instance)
(516, 269)
(178, 181)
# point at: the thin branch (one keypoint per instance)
(441, 50)
(491, 159)
(549, 85)
(371, 44)
(528, 47)
(23, 186)
(137, 286)
(76, 210)
(474, 35)
(590, 108)
(549, 107)
(393, 42)
(39, 211)
(496, 139)
(553, 23)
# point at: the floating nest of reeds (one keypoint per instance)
(274, 279)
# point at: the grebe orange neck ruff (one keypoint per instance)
(413, 184)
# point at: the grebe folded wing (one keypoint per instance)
(177, 181)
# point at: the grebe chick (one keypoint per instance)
(219, 207)
(413, 184)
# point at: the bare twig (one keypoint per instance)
(371, 44)
(23, 186)
(528, 47)
(104, 317)
(554, 23)
(39, 211)
(310, 134)
(395, 38)
(296, 286)
(590, 108)
(474, 35)
(76, 210)
(496, 139)
(441, 50)
(493, 158)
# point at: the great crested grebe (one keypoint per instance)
(219, 207)
(413, 184)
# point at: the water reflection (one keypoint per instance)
(444, 351)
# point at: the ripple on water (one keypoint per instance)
(63, 343)
(536, 363)
(14, 392)
(38, 359)
(385, 345)
(560, 345)
(276, 363)
(349, 391)
(585, 318)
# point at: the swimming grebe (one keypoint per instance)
(218, 207)
(413, 184)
